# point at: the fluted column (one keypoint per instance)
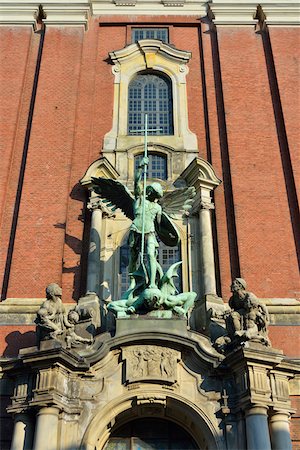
(46, 429)
(280, 430)
(93, 267)
(23, 432)
(207, 250)
(257, 429)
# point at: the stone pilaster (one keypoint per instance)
(257, 430)
(261, 377)
(46, 429)
(23, 432)
(201, 175)
(279, 424)
(93, 269)
(206, 249)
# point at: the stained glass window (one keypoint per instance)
(150, 33)
(152, 94)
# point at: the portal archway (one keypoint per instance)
(196, 426)
(150, 434)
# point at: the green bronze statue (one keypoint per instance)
(163, 297)
(151, 212)
(150, 215)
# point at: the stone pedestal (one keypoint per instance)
(46, 429)
(148, 324)
(23, 432)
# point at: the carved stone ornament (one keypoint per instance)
(150, 363)
(54, 323)
(247, 319)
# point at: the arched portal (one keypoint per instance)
(150, 434)
(194, 426)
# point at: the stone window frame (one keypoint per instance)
(162, 161)
(149, 55)
(146, 28)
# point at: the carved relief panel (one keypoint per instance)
(150, 363)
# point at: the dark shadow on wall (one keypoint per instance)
(16, 340)
(6, 420)
(282, 136)
(78, 246)
(225, 160)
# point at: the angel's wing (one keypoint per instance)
(166, 284)
(115, 194)
(179, 200)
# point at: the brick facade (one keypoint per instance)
(243, 109)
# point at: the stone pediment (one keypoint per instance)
(148, 48)
(99, 168)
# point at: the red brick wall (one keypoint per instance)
(38, 250)
(19, 47)
(295, 423)
(285, 43)
(13, 338)
(14, 53)
(281, 337)
(265, 241)
(73, 111)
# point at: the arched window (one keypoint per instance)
(152, 94)
(157, 167)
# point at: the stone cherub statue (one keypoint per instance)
(54, 323)
(150, 211)
(247, 319)
(50, 317)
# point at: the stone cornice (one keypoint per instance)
(73, 13)
(243, 12)
(77, 12)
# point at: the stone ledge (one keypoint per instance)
(13, 311)
(18, 311)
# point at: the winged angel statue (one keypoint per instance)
(150, 211)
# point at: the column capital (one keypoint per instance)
(52, 410)
(280, 415)
(70, 13)
(257, 409)
(206, 205)
(94, 203)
